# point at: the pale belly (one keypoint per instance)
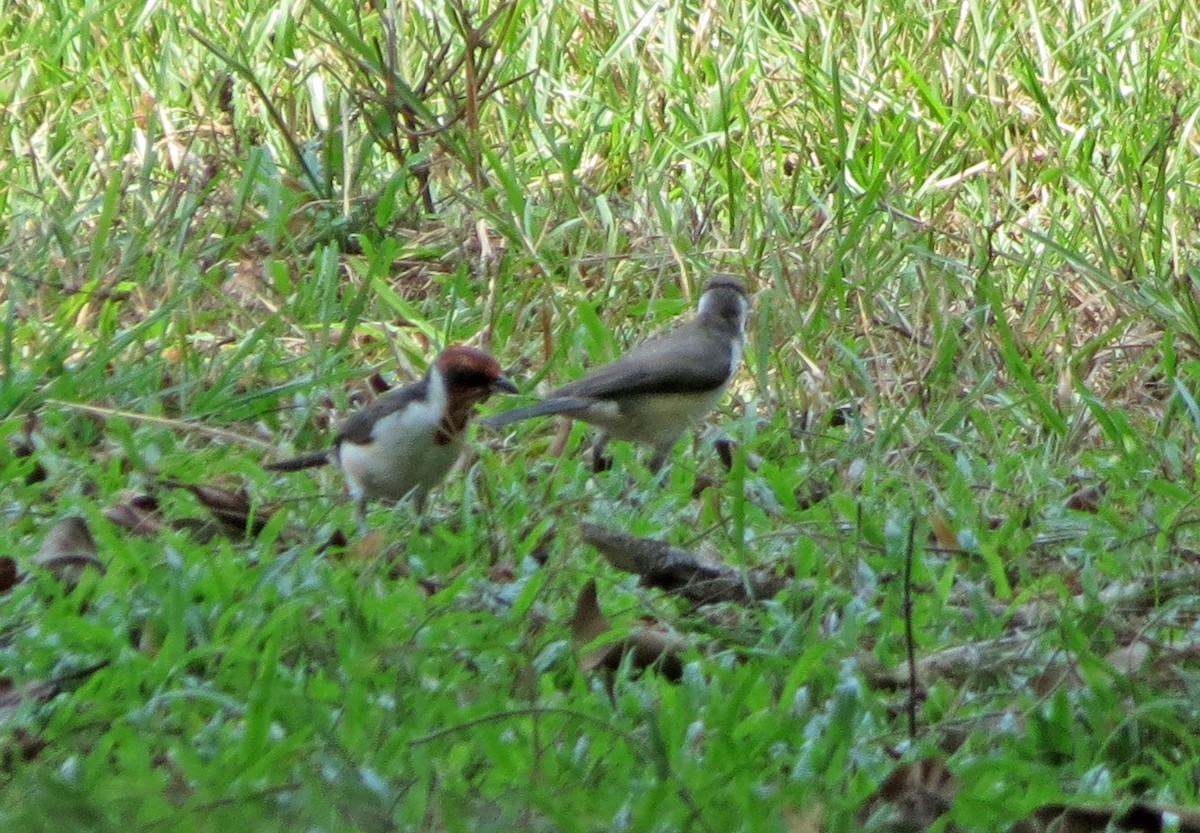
(397, 464)
(658, 421)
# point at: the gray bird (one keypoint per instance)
(660, 388)
(403, 443)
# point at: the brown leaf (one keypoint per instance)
(541, 550)
(727, 450)
(943, 532)
(914, 796)
(9, 696)
(68, 550)
(9, 577)
(840, 416)
(652, 645)
(1062, 818)
(22, 744)
(336, 543)
(134, 516)
(25, 448)
(367, 548)
(703, 483)
(807, 820)
(1130, 658)
(70, 536)
(588, 623)
(1087, 499)
(378, 384)
(681, 571)
(231, 507)
(811, 492)
(177, 789)
(503, 572)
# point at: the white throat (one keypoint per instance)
(708, 306)
(436, 394)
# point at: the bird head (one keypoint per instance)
(472, 373)
(725, 304)
(470, 377)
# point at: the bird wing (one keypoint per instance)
(690, 360)
(357, 427)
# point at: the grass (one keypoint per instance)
(970, 230)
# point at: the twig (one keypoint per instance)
(910, 641)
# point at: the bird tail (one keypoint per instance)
(304, 461)
(547, 407)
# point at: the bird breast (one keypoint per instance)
(404, 456)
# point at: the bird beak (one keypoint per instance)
(505, 385)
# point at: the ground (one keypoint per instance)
(961, 447)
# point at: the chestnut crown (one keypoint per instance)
(465, 367)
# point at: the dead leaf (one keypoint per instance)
(25, 448)
(378, 384)
(703, 483)
(840, 415)
(9, 576)
(367, 548)
(232, 508)
(651, 645)
(138, 515)
(811, 492)
(1087, 499)
(177, 789)
(503, 572)
(1150, 818)
(913, 797)
(541, 549)
(141, 515)
(943, 532)
(68, 550)
(335, 543)
(589, 623)
(807, 820)
(681, 571)
(21, 743)
(727, 451)
(1129, 659)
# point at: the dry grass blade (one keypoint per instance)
(181, 426)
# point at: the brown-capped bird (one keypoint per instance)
(402, 444)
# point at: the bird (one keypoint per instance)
(657, 390)
(402, 444)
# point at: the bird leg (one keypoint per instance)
(601, 461)
(660, 458)
(361, 505)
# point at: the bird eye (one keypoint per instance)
(469, 378)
